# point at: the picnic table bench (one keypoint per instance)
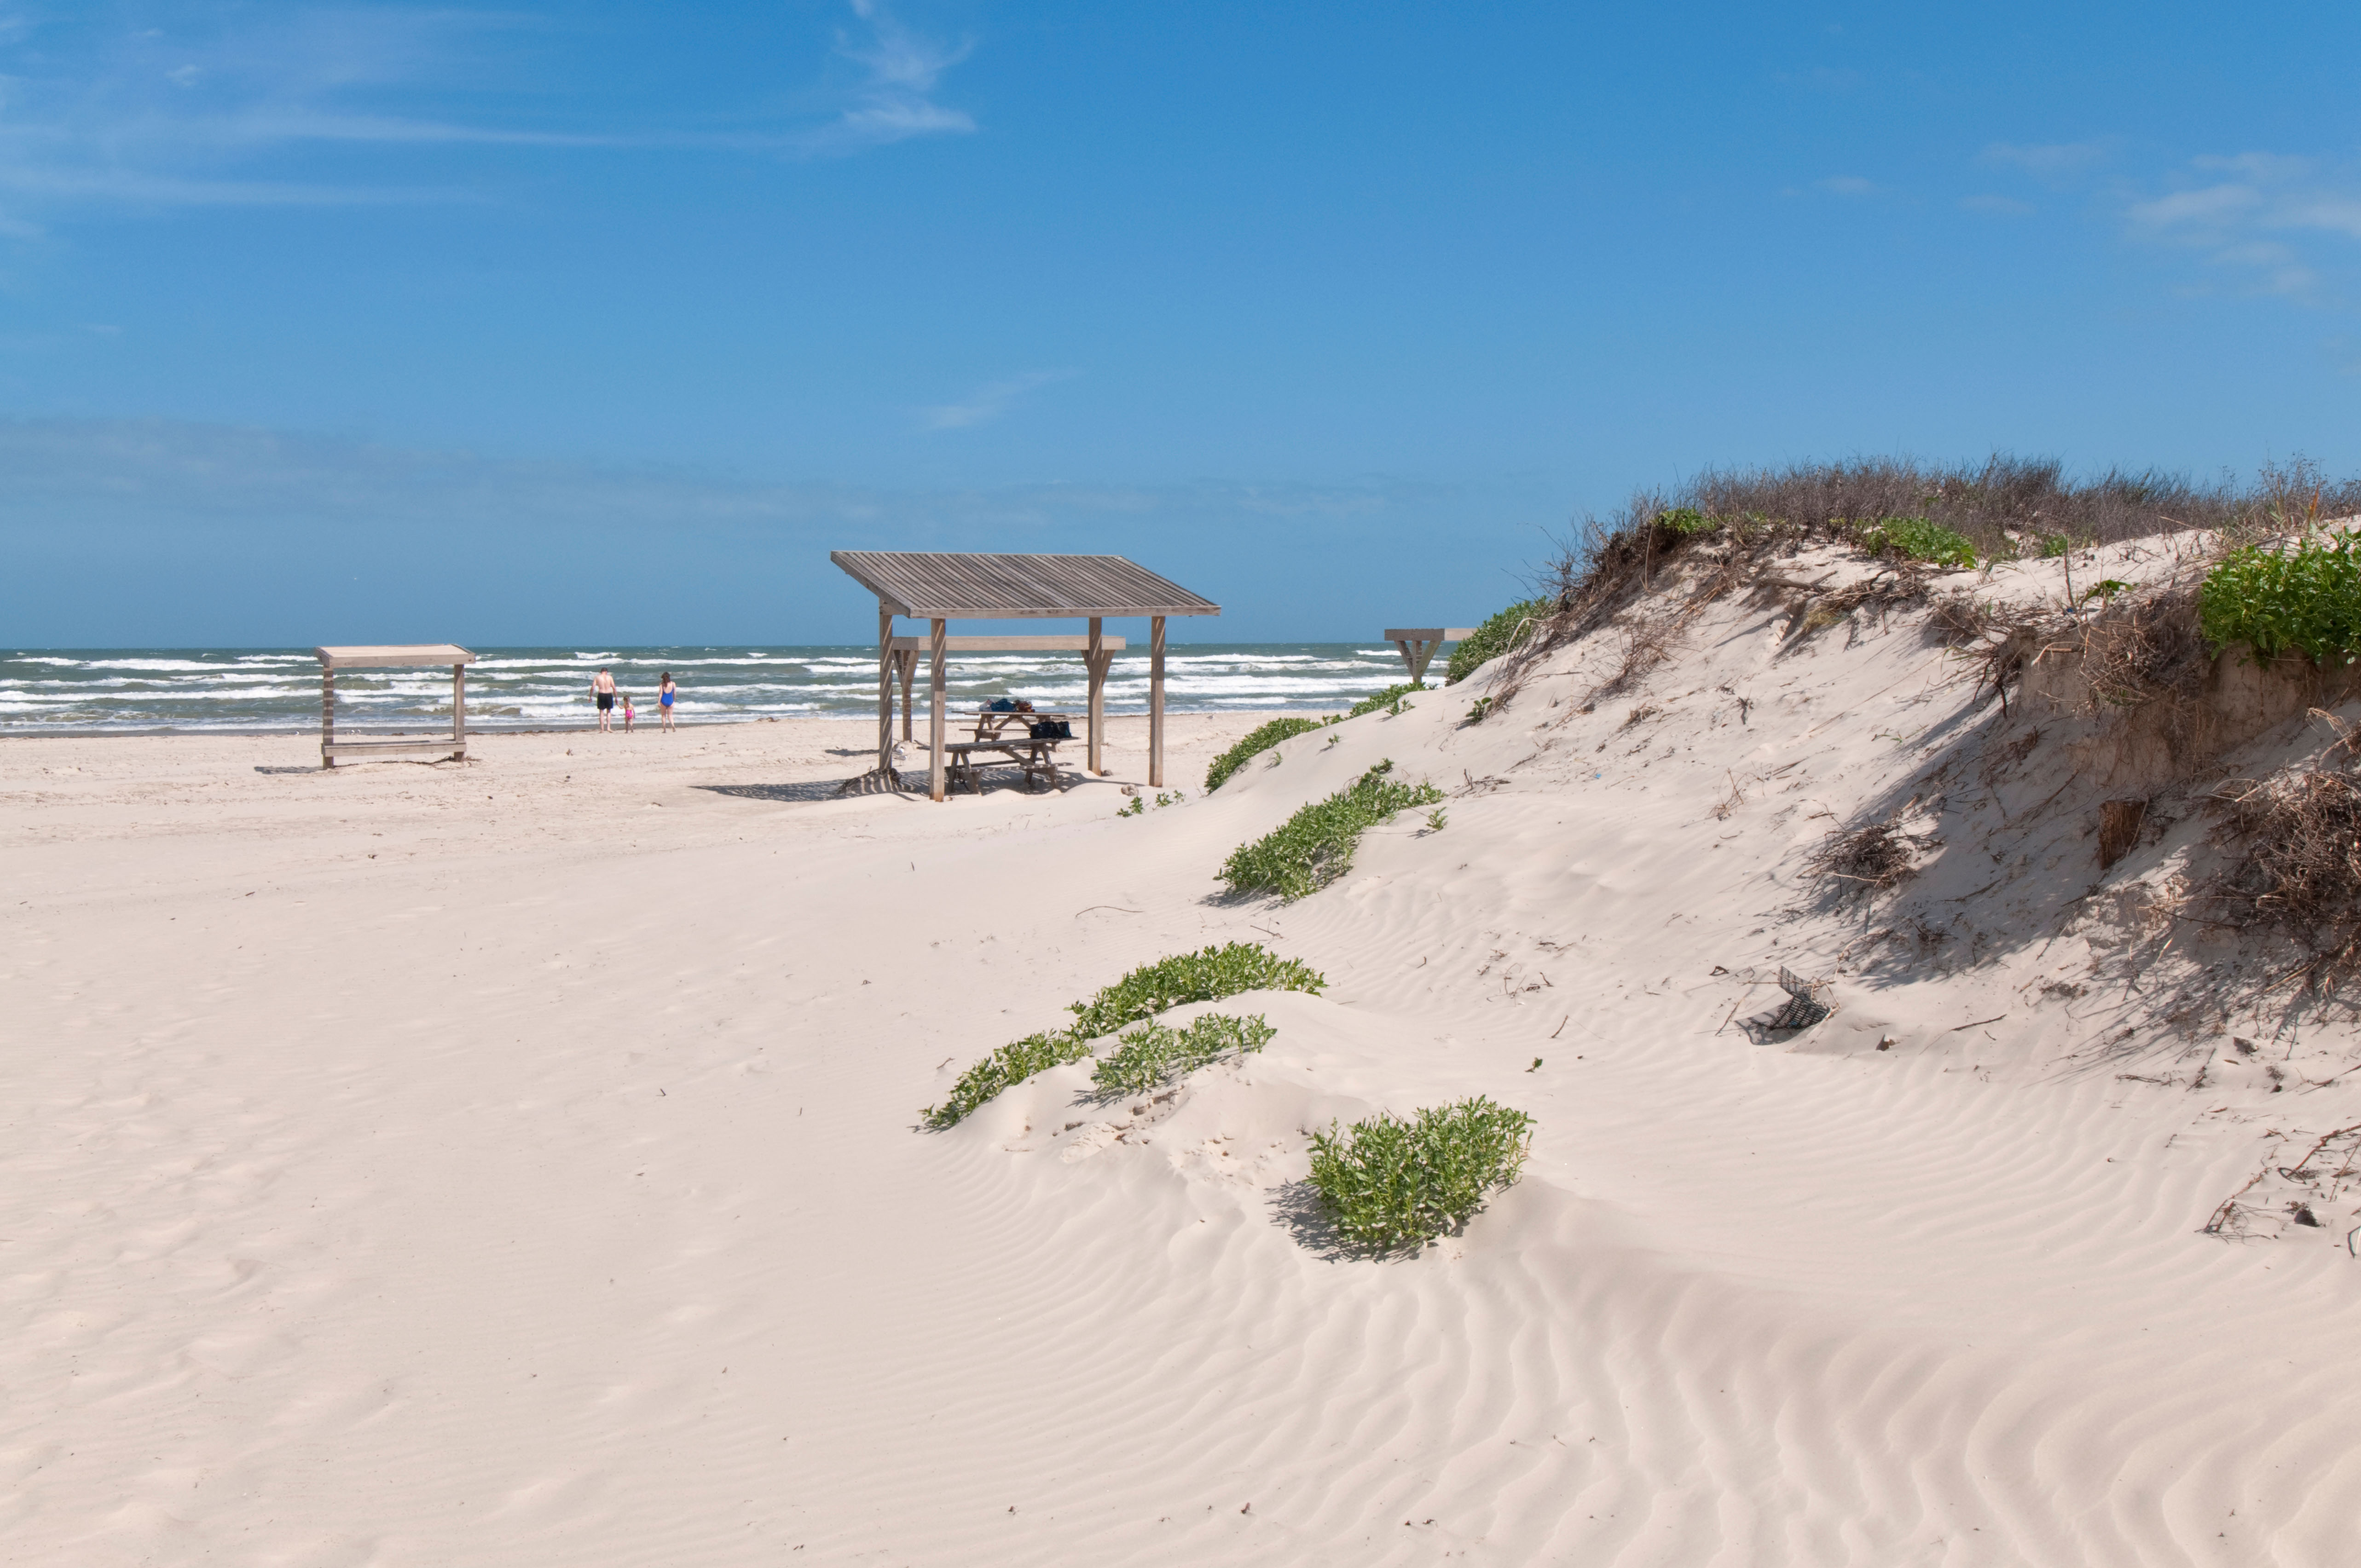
(1035, 755)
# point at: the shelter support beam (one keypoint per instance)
(1417, 644)
(884, 691)
(934, 715)
(1097, 657)
(910, 663)
(327, 716)
(1155, 702)
(459, 708)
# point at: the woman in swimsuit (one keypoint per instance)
(663, 699)
(603, 692)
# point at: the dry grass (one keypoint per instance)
(1871, 600)
(2301, 868)
(1872, 859)
(1961, 620)
(2146, 646)
(1728, 528)
(1737, 519)
(2011, 506)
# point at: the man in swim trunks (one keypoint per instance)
(603, 692)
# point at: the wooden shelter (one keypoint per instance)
(1418, 644)
(411, 656)
(941, 587)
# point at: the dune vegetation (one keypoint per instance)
(1205, 976)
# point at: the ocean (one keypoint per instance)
(126, 690)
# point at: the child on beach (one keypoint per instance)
(627, 716)
(665, 695)
(603, 692)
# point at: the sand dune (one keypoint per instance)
(519, 1164)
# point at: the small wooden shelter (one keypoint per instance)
(412, 656)
(1418, 644)
(941, 587)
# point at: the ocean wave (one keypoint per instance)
(117, 689)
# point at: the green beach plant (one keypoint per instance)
(1262, 738)
(1315, 846)
(1204, 976)
(1916, 539)
(1389, 698)
(1004, 1069)
(2274, 598)
(1154, 1054)
(1493, 639)
(1387, 1184)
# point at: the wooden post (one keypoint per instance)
(1097, 660)
(1417, 653)
(884, 692)
(1419, 645)
(327, 715)
(909, 661)
(459, 712)
(1155, 702)
(935, 718)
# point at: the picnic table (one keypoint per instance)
(1035, 755)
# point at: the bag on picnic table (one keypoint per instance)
(1050, 729)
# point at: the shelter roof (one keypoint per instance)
(393, 656)
(979, 587)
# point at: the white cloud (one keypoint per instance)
(2186, 210)
(177, 115)
(2000, 206)
(2262, 224)
(1846, 185)
(2256, 165)
(896, 101)
(990, 401)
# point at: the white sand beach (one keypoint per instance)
(519, 1163)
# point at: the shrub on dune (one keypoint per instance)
(2307, 599)
(1205, 976)
(1259, 739)
(1494, 638)
(1263, 737)
(1389, 698)
(1004, 1069)
(1387, 1184)
(1916, 539)
(1152, 1054)
(1315, 846)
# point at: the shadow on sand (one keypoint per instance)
(810, 790)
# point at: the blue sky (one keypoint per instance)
(606, 321)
